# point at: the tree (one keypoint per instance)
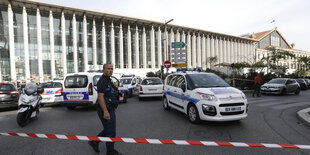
(274, 56)
(212, 60)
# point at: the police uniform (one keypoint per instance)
(106, 86)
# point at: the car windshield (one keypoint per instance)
(206, 81)
(125, 81)
(6, 87)
(300, 80)
(277, 81)
(151, 82)
(51, 85)
(30, 88)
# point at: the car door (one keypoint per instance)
(179, 94)
(290, 86)
(169, 89)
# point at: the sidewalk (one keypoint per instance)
(304, 115)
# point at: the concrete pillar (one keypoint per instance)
(129, 47)
(170, 43)
(39, 43)
(74, 38)
(94, 39)
(121, 46)
(220, 50)
(85, 46)
(194, 60)
(26, 45)
(103, 43)
(152, 47)
(228, 43)
(52, 45)
(165, 44)
(112, 45)
(188, 51)
(231, 51)
(216, 48)
(159, 52)
(144, 48)
(204, 52)
(198, 54)
(137, 48)
(225, 50)
(11, 43)
(212, 46)
(63, 43)
(239, 51)
(208, 55)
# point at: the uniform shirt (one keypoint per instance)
(257, 80)
(103, 83)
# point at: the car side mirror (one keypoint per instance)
(183, 87)
(40, 89)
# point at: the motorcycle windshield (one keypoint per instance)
(30, 88)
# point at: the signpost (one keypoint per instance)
(178, 44)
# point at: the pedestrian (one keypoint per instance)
(257, 84)
(108, 102)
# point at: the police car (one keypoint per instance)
(151, 87)
(204, 96)
(52, 92)
(130, 83)
(80, 89)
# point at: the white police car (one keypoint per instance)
(204, 96)
(131, 83)
(80, 89)
(52, 92)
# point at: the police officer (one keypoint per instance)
(108, 102)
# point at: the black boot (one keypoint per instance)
(114, 152)
(94, 145)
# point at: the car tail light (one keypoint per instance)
(13, 92)
(141, 89)
(90, 89)
(163, 87)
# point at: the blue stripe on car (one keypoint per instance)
(190, 99)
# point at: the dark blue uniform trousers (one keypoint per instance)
(109, 127)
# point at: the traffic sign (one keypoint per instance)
(178, 44)
(167, 64)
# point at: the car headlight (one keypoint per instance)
(209, 110)
(243, 96)
(207, 97)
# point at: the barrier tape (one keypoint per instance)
(242, 79)
(156, 141)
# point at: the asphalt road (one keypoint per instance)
(272, 119)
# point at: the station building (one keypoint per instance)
(41, 41)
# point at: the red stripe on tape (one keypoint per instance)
(93, 138)
(141, 140)
(32, 135)
(224, 144)
(167, 141)
(72, 137)
(117, 140)
(13, 134)
(51, 136)
(255, 145)
(194, 142)
(289, 146)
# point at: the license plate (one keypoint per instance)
(152, 89)
(232, 109)
(2, 95)
(74, 97)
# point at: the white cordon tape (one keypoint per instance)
(156, 141)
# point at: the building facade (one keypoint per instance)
(41, 41)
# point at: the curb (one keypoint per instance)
(304, 115)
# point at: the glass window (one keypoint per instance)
(108, 39)
(51, 85)
(79, 40)
(96, 78)
(69, 43)
(58, 44)
(76, 81)
(278, 81)
(45, 37)
(4, 44)
(7, 87)
(90, 42)
(32, 39)
(99, 41)
(125, 81)
(117, 43)
(206, 81)
(19, 42)
(148, 47)
(152, 81)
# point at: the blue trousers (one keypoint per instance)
(109, 127)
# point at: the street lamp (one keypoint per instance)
(167, 37)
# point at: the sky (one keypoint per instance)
(233, 17)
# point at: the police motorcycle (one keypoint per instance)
(29, 103)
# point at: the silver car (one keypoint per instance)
(281, 86)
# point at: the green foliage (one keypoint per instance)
(151, 74)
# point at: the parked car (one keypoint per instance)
(204, 96)
(151, 87)
(8, 95)
(303, 84)
(52, 92)
(308, 82)
(280, 86)
(131, 83)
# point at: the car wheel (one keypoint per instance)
(165, 104)
(130, 93)
(70, 107)
(193, 114)
(297, 91)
